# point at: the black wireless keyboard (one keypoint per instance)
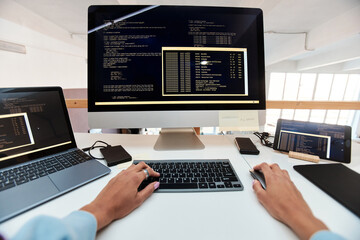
(200, 175)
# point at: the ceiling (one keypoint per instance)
(304, 35)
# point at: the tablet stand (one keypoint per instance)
(304, 156)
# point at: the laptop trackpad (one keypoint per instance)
(26, 196)
(78, 175)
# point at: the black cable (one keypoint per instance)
(93, 147)
(264, 138)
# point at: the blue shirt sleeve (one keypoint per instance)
(77, 225)
(326, 235)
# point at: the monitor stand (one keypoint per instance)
(178, 139)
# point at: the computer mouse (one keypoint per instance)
(258, 175)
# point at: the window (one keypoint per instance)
(309, 87)
(312, 87)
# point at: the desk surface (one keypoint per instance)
(225, 215)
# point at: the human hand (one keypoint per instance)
(284, 201)
(120, 196)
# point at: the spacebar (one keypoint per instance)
(178, 186)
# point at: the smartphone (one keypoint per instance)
(246, 146)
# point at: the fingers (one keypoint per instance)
(286, 173)
(146, 192)
(137, 172)
(259, 191)
(140, 166)
(257, 186)
(152, 173)
(149, 189)
(265, 168)
(147, 172)
(271, 171)
(275, 167)
(144, 174)
(257, 167)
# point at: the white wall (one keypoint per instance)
(55, 59)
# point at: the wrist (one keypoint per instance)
(103, 217)
(305, 224)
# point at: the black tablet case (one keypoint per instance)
(340, 182)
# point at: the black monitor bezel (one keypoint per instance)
(92, 10)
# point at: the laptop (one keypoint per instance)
(39, 159)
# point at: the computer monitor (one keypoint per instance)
(173, 66)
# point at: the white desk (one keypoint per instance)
(224, 215)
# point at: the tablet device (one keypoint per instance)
(340, 182)
(328, 141)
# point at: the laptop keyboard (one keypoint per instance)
(25, 173)
(194, 175)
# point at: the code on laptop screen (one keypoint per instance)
(31, 122)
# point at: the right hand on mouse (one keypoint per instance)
(120, 196)
(284, 201)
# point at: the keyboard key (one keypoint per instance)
(186, 180)
(178, 186)
(209, 179)
(229, 174)
(204, 175)
(58, 168)
(217, 179)
(178, 180)
(229, 179)
(194, 180)
(21, 181)
(50, 170)
(7, 186)
(212, 185)
(33, 177)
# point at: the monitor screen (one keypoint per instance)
(179, 64)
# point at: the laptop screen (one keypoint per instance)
(33, 123)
